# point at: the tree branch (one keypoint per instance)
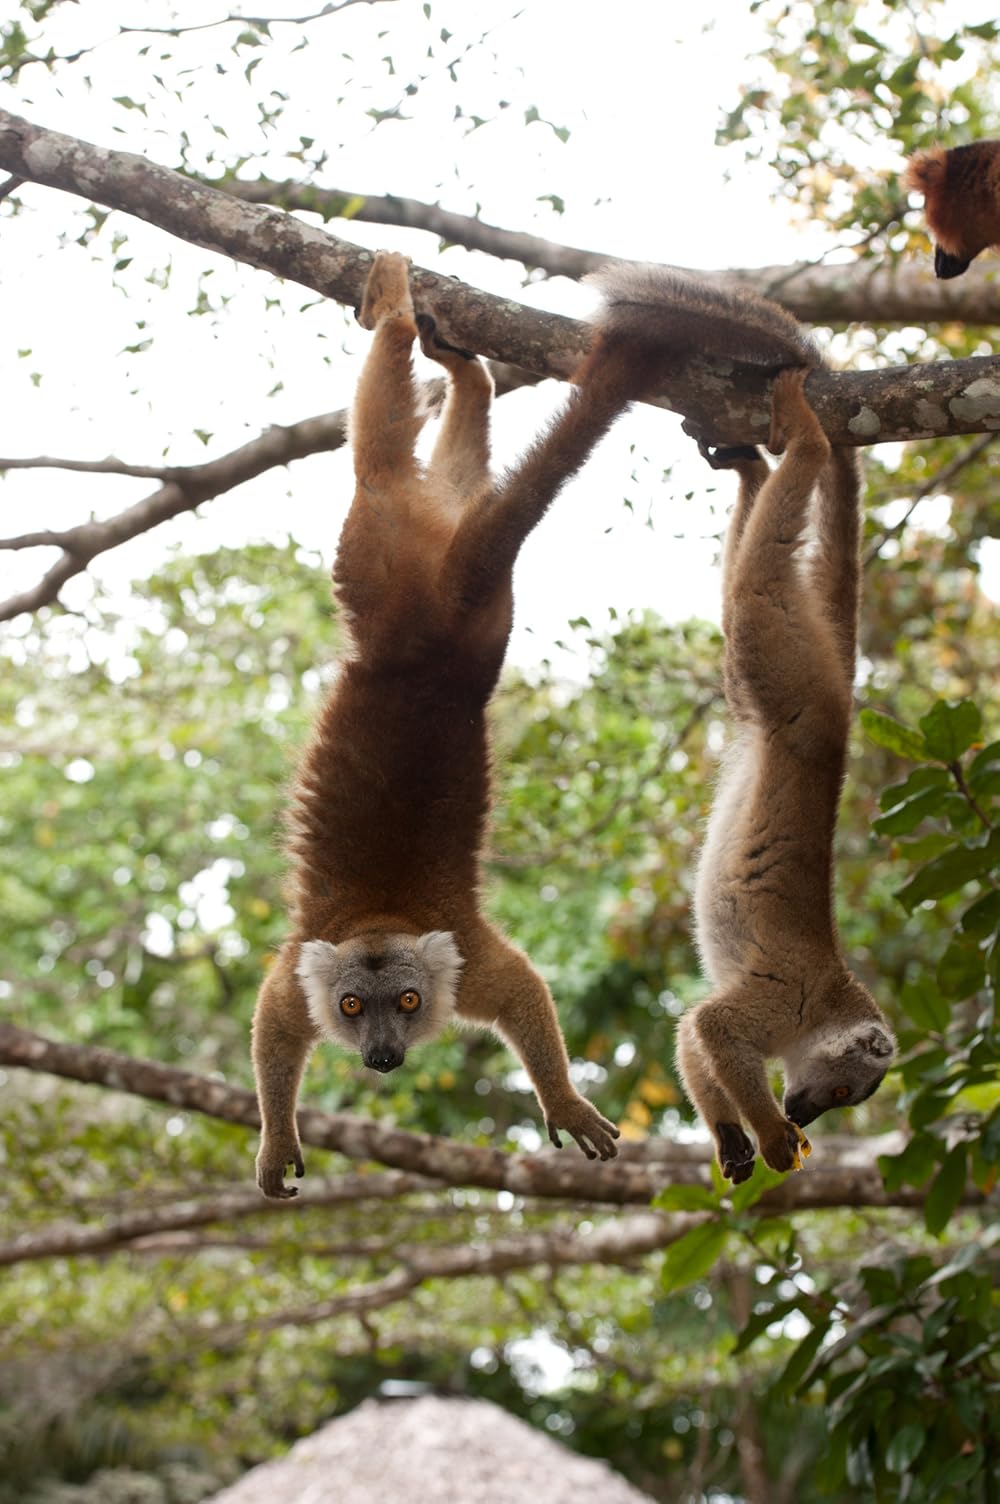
(845, 1173)
(185, 487)
(932, 486)
(851, 292)
(330, 9)
(619, 1240)
(862, 407)
(223, 1205)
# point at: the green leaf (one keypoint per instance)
(762, 1179)
(799, 1364)
(925, 1005)
(961, 970)
(919, 779)
(946, 1189)
(959, 1471)
(905, 1447)
(950, 728)
(686, 1198)
(984, 761)
(914, 1164)
(951, 871)
(893, 735)
(907, 816)
(761, 1320)
(693, 1255)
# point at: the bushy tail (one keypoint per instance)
(687, 315)
(653, 318)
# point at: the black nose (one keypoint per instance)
(383, 1058)
(800, 1109)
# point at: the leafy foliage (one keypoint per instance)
(853, 1353)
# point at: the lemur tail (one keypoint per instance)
(685, 314)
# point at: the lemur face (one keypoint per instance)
(838, 1071)
(380, 993)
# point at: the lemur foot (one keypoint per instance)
(792, 419)
(387, 291)
(594, 1134)
(736, 1153)
(433, 345)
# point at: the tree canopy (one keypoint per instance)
(833, 1334)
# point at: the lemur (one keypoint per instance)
(961, 191)
(763, 900)
(389, 810)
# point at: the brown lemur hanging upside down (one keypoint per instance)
(961, 190)
(390, 806)
(763, 903)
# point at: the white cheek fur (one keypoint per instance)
(317, 969)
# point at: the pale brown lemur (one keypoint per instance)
(961, 189)
(389, 810)
(763, 904)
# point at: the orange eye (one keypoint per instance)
(840, 1092)
(409, 1001)
(350, 1005)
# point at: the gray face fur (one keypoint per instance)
(836, 1068)
(377, 970)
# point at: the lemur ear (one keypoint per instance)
(878, 1042)
(442, 957)
(317, 963)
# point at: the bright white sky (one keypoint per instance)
(639, 174)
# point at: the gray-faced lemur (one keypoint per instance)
(389, 809)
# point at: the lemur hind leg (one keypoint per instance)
(387, 415)
(768, 602)
(834, 568)
(461, 457)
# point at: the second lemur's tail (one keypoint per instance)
(687, 315)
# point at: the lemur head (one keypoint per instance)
(379, 993)
(842, 1062)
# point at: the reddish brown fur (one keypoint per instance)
(390, 808)
(961, 190)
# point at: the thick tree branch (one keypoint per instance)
(842, 1173)
(866, 407)
(853, 292)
